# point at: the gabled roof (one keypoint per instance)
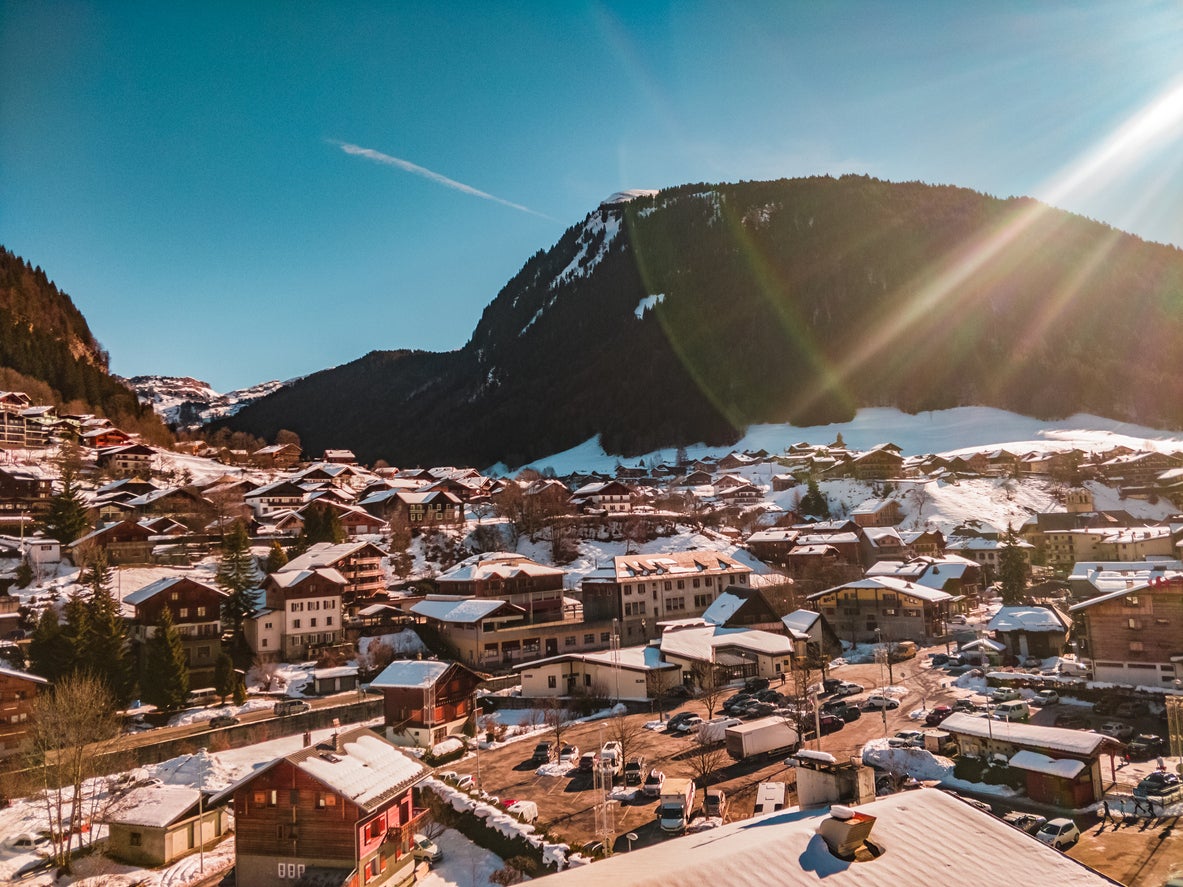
(292, 578)
(461, 610)
(1037, 619)
(1073, 742)
(497, 565)
(160, 585)
(153, 806)
(892, 584)
(646, 658)
(699, 643)
(800, 620)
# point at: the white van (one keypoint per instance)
(1012, 711)
(770, 797)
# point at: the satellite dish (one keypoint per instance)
(631, 836)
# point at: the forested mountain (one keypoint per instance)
(689, 314)
(47, 350)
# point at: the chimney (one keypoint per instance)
(845, 832)
(307, 738)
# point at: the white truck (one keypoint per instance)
(611, 761)
(764, 736)
(714, 730)
(677, 800)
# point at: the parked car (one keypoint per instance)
(653, 783)
(714, 803)
(587, 762)
(1131, 709)
(1015, 710)
(690, 724)
(425, 848)
(1059, 833)
(569, 754)
(847, 688)
(829, 685)
(544, 753)
(1117, 730)
(465, 782)
(1001, 694)
(290, 707)
(1071, 720)
(958, 619)
(937, 714)
(830, 724)
(222, 721)
(878, 701)
(908, 738)
(754, 684)
(671, 726)
(964, 704)
(1028, 822)
(1162, 786)
(736, 701)
(1146, 745)
(1047, 697)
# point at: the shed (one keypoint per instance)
(156, 824)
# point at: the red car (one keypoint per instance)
(938, 714)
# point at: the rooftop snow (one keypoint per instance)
(647, 304)
(1025, 619)
(456, 610)
(1075, 742)
(1037, 763)
(367, 770)
(153, 806)
(410, 673)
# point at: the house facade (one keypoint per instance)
(196, 610)
(302, 614)
(883, 608)
(425, 701)
(359, 563)
(158, 824)
(18, 690)
(337, 814)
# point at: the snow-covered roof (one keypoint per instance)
(497, 565)
(893, 584)
(324, 554)
(800, 620)
(153, 806)
(1133, 587)
(1074, 742)
(640, 658)
(700, 643)
(1026, 619)
(456, 609)
(633, 566)
(1034, 761)
(411, 673)
(368, 770)
(155, 588)
(915, 830)
(336, 671)
(23, 675)
(723, 608)
(289, 578)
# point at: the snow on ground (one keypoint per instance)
(924, 766)
(464, 864)
(940, 431)
(404, 643)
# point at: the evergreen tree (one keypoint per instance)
(321, 524)
(49, 651)
(66, 519)
(224, 676)
(238, 576)
(276, 557)
(239, 690)
(105, 651)
(75, 630)
(164, 681)
(814, 502)
(1012, 570)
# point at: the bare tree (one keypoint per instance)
(710, 687)
(706, 759)
(627, 731)
(556, 716)
(72, 727)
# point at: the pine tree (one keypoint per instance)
(66, 520)
(276, 557)
(49, 651)
(814, 502)
(1012, 570)
(105, 649)
(224, 676)
(164, 681)
(238, 577)
(75, 629)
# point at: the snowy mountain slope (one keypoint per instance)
(184, 402)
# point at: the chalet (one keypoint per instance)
(359, 562)
(425, 701)
(102, 438)
(744, 494)
(880, 544)
(1138, 469)
(14, 401)
(1132, 635)
(959, 576)
(809, 558)
(609, 497)
(633, 674)
(302, 614)
(773, 545)
(155, 825)
(877, 513)
(476, 628)
(126, 460)
(883, 607)
(355, 521)
(196, 610)
(336, 813)
(815, 643)
(417, 508)
(340, 457)
(924, 542)
(1090, 579)
(986, 551)
(1135, 544)
(881, 463)
(848, 545)
(734, 460)
(126, 542)
(740, 607)
(283, 495)
(536, 588)
(1030, 631)
(183, 503)
(281, 456)
(18, 690)
(642, 590)
(1063, 767)
(24, 490)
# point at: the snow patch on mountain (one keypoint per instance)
(184, 402)
(647, 304)
(594, 240)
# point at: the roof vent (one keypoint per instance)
(846, 831)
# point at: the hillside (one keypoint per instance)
(183, 402)
(48, 351)
(689, 315)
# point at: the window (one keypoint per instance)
(295, 623)
(605, 637)
(710, 581)
(200, 611)
(1133, 623)
(263, 642)
(696, 583)
(551, 681)
(136, 839)
(184, 612)
(328, 620)
(203, 652)
(669, 585)
(569, 641)
(312, 622)
(589, 638)
(325, 799)
(314, 605)
(267, 625)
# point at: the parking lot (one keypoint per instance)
(1137, 851)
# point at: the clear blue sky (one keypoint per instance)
(181, 169)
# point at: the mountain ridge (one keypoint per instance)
(690, 314)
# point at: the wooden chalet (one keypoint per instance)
(126, 542)
(18, 690)
(126, 460)
(196, 610)
(24, 491)
(102, 438)
(425, 701)
(277, 456)
(302, 614)
(360, 563)
(336, 814)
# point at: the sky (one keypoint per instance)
(241, 192)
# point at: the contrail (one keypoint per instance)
(407, 166)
